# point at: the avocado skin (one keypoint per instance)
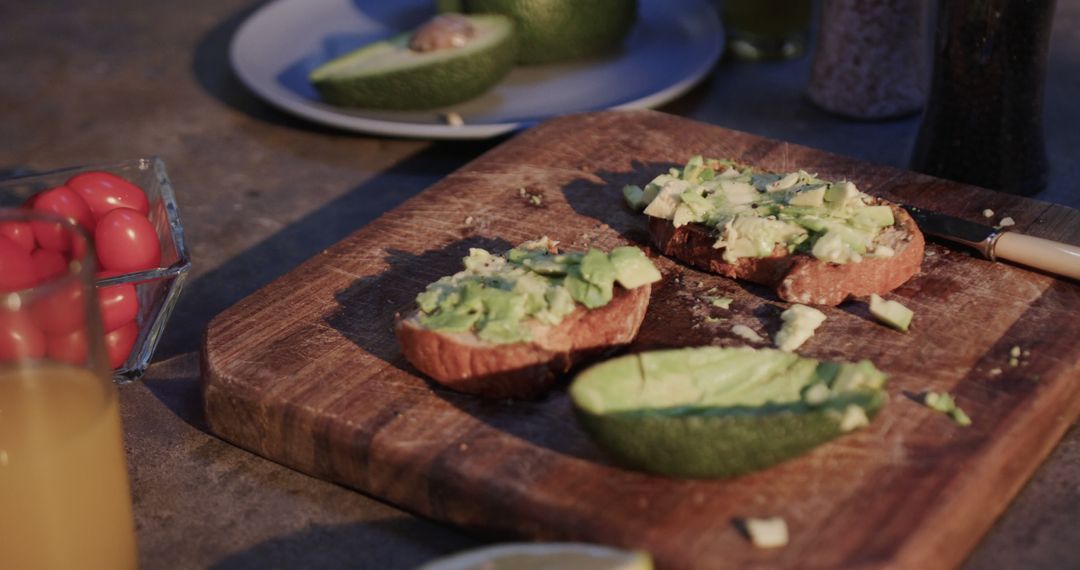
(719, 445)
(559, 30)
(444, 82)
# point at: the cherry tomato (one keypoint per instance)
(60, 311)
(48, 264)
(16, 266)
(126, 241)
(64, 203)
(67, 347)
(119, 305)
(104, 192)
(21, 233)
(119, 342)
(19, 338)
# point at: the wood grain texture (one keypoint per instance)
(306, 371)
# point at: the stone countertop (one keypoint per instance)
(260, 191)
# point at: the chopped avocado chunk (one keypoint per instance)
(891, 313)
(812, 197)
(874, 217)
(854, 418)
(496, 295)
(633, 268)
(719, 302)
(944, 403)
(635, 197)
(769, 532)
(799, 324)
(720, 412)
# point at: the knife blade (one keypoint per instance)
(995, 243)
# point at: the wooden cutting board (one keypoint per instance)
(306, 371)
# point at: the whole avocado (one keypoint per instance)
(558, 30)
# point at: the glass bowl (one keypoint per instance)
(158, 289)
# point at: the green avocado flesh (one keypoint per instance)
(496, 297)
(390, 75)
(558, 30)
(754, 212)
(719, 412)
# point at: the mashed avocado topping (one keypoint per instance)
(754, 211)
(496, 296)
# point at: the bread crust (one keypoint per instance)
(465, 363)
(800, 278)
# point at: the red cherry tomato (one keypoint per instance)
(67, 347)
(119, 305)
(126, 241)
(104, 192)
(119, 342)
(21, 233)
(19, 338)
(60, 311)
(16, 267)
(64, 203)
(48, 264)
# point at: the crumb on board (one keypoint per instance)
(535, 199)
(746, 333)
(771, 532)
(988, 213)
(718, 301)
(1006, 222)
(468, 220)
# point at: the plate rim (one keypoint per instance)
(315, 112)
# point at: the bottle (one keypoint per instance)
(983, 121)
(870, 61)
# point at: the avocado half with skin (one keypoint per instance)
(391, 74)
(716, 412)
(558, 30)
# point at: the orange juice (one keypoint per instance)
(64, 499)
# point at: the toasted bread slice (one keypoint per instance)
(799, 277)
(464, 362)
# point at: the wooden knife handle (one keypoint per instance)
(1052, 256)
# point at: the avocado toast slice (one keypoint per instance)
(815, 241)
(713, 412)
(507, 326)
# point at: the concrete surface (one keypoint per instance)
(260, 191)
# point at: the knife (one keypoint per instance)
(997, 243)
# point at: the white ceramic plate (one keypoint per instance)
(672, 46)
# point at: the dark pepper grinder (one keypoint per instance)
(983, 123)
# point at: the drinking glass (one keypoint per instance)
(766, 29)
(64, 495)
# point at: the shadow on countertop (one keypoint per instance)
(217, 289)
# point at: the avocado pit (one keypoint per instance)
(444, 31)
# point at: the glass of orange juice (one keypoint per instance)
(64, 496)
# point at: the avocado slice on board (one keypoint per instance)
(558, 30)
(713, 412)
(391, 74)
